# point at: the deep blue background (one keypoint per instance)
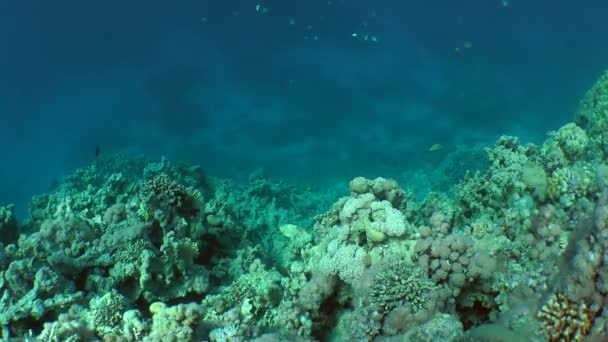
(220, 84)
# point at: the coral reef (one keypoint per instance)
(123, 235)
(128, 249)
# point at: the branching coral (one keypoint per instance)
(398, 297)
(563, 320)
(166, 194)
(493, 191)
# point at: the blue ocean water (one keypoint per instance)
(312, 91)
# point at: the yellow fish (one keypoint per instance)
(435, 148)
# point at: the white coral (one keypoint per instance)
(347, 262)
(393, 222)
(349, 210)
(225, 334)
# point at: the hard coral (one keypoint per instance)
(452, 260)
(399, 297)
(573, 140)
(592, 114)
(564, 320)
(382, 189)
(163, 192)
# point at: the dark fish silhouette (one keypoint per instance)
(97, 151)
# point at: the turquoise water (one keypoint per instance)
(286, 87)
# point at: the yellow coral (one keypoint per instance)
(564, 320)
(554, 186)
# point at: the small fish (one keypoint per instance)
(97, 151)
(435, 148)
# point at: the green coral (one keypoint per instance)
(181, 322)
(568, 185)
(252, 295)
(492, 191)
(592, 114)
(106, 312)
(440, 328)
(567, 145)
(573, 140)
(166, 194)
(535, 178)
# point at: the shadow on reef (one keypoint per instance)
(132, 250)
